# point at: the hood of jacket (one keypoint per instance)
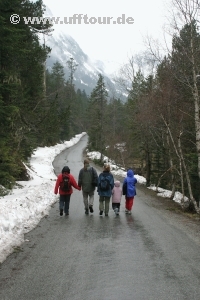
(66, 170)
(130, 173)
(117, 183)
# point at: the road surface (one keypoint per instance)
(144, 256)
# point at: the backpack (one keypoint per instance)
(94, 178)
(65, 183)
(104, 183)
(124, 188)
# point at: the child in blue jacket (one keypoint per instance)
(104, 189)
(129, 190)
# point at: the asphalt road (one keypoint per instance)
(148, 255)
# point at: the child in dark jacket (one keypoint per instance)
(129, 190)
(105, 194)
(116, 197)
(65, 195)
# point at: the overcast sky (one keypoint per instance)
(113, 42)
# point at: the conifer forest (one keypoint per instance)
(155, 130)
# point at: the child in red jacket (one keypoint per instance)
(65, 190)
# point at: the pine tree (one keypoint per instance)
(72, 68)
(21, 91)
(96, 116)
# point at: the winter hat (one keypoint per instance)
(117, 183)
(66, 170)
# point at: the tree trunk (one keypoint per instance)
(148, 168)
(187, 176)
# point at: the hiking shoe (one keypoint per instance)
(91, 209)
(61, 212)
(86, 211)
(101, 213)
(67, 213)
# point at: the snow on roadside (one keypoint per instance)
(121, 172)
(116, 170)
(30, 201)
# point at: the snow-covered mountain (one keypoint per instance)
(65, 47)
(86, 75)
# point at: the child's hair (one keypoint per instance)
(86, 161)
(106, 167)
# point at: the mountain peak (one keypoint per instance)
(65, 47)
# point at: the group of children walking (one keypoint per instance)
(107, 189)
(128, 189)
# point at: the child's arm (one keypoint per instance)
(74, 183)
(57, 185)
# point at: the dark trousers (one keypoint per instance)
(116, 205)
(64, 202)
